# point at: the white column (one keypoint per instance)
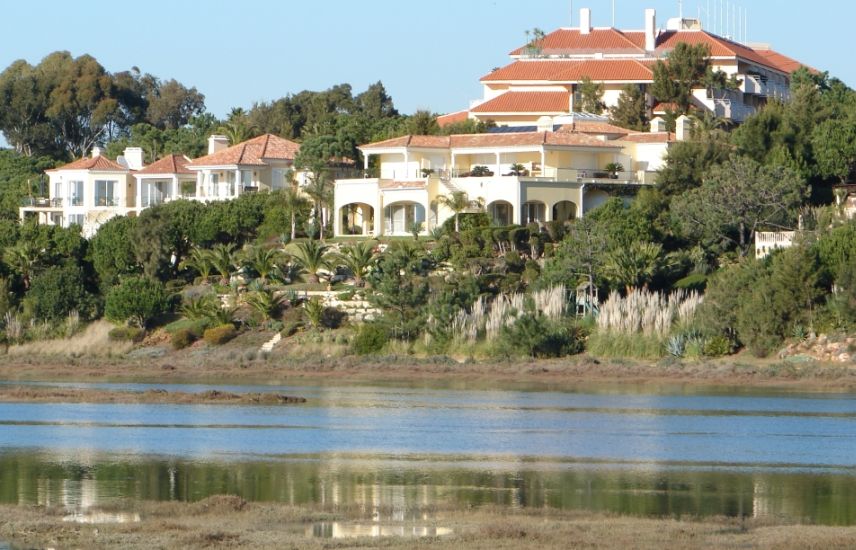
(139, 199)
(543, 162)
(582, 199)
(406, 165)
(200, 184)
(454, 166)
(176, 191)
(238, 183)
(366, 162)
(497, 171)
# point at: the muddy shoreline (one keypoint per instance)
(226, 521)
(741, 372)
(36, 394)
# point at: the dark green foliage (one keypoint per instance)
(370, 339)
(20, 176)
(687, 162)
(136, 300)
(164, 235)
(59, 290)
(695, 281)
(534, 335)
(111, 251)
(687, 68)
(400, 289)
(631, 111)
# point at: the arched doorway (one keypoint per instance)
(533, 212)
(501, 212)
(399, 217)
(564, 211)
(356, 218)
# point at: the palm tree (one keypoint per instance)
(237, 131)
(264, 261)
(200, 307)
(292, 201)
(311, 256)
(199, 261)
(357, 258)
(265, 303)
(318, 189)
(223, 261)
(24, 258)
(458, 202)
(634, 266)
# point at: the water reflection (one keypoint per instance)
(340, 530)
(387, 491)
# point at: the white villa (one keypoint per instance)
(92, 190)
(259, 164)
(88, 191)
(543, 79)
(522, 176)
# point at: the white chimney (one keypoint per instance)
(585, 21)
(658, 125)
(133, 158)
(96, 151)
(650, 30)
(217, 143)
(683, 128)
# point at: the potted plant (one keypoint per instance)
(426, 172)
(614, 168)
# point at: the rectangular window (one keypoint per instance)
(75, 219)
(247, 178)
(75, 193)
(105, 193)
(213, 182)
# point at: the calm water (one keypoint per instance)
(792, 456)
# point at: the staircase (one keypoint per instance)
(269, 345)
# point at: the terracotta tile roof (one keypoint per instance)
(784, 63)
(719, 47)
(527, 102)
(170, 164)
(475, 141)
(388, 184)
(665, 107)
(650, 137)
(594, 127)
(430, 142)
(611, 41)
(452, 118)
(252, 152)
(96, 164)
(554, 70)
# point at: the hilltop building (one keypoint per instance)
(543, 78)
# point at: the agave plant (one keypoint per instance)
(357, 258)
(312, 257)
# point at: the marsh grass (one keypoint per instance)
(616, 345)
(94, 340)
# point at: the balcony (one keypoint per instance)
(754, 85)
(106, 201)
(42, 202)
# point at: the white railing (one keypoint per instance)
(768, 241)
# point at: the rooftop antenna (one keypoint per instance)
(613, 14)
(680, 8)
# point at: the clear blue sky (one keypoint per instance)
(429, 53)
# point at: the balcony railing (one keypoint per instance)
(106, 201)
(41, 202)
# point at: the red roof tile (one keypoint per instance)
(96, 164)
(552, 70)
(665, 107)
(476, 141)
(252, 152)
(784, 63)
(170, 164)
(452, 118)
(719, 47)
(650, 137)
(611, 41)
(593, 127)
(527, 102)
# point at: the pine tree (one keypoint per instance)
(631, 111)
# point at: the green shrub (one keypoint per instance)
(137, 300)
(635, 346)
(195, 326)
(182, 338)
(536, 336)
(696, 281)
(219, 335)
(717, 346)
(370, 339)
(58, 291)
(127, 334)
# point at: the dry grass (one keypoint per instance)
(94, 341)
(231, 522)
